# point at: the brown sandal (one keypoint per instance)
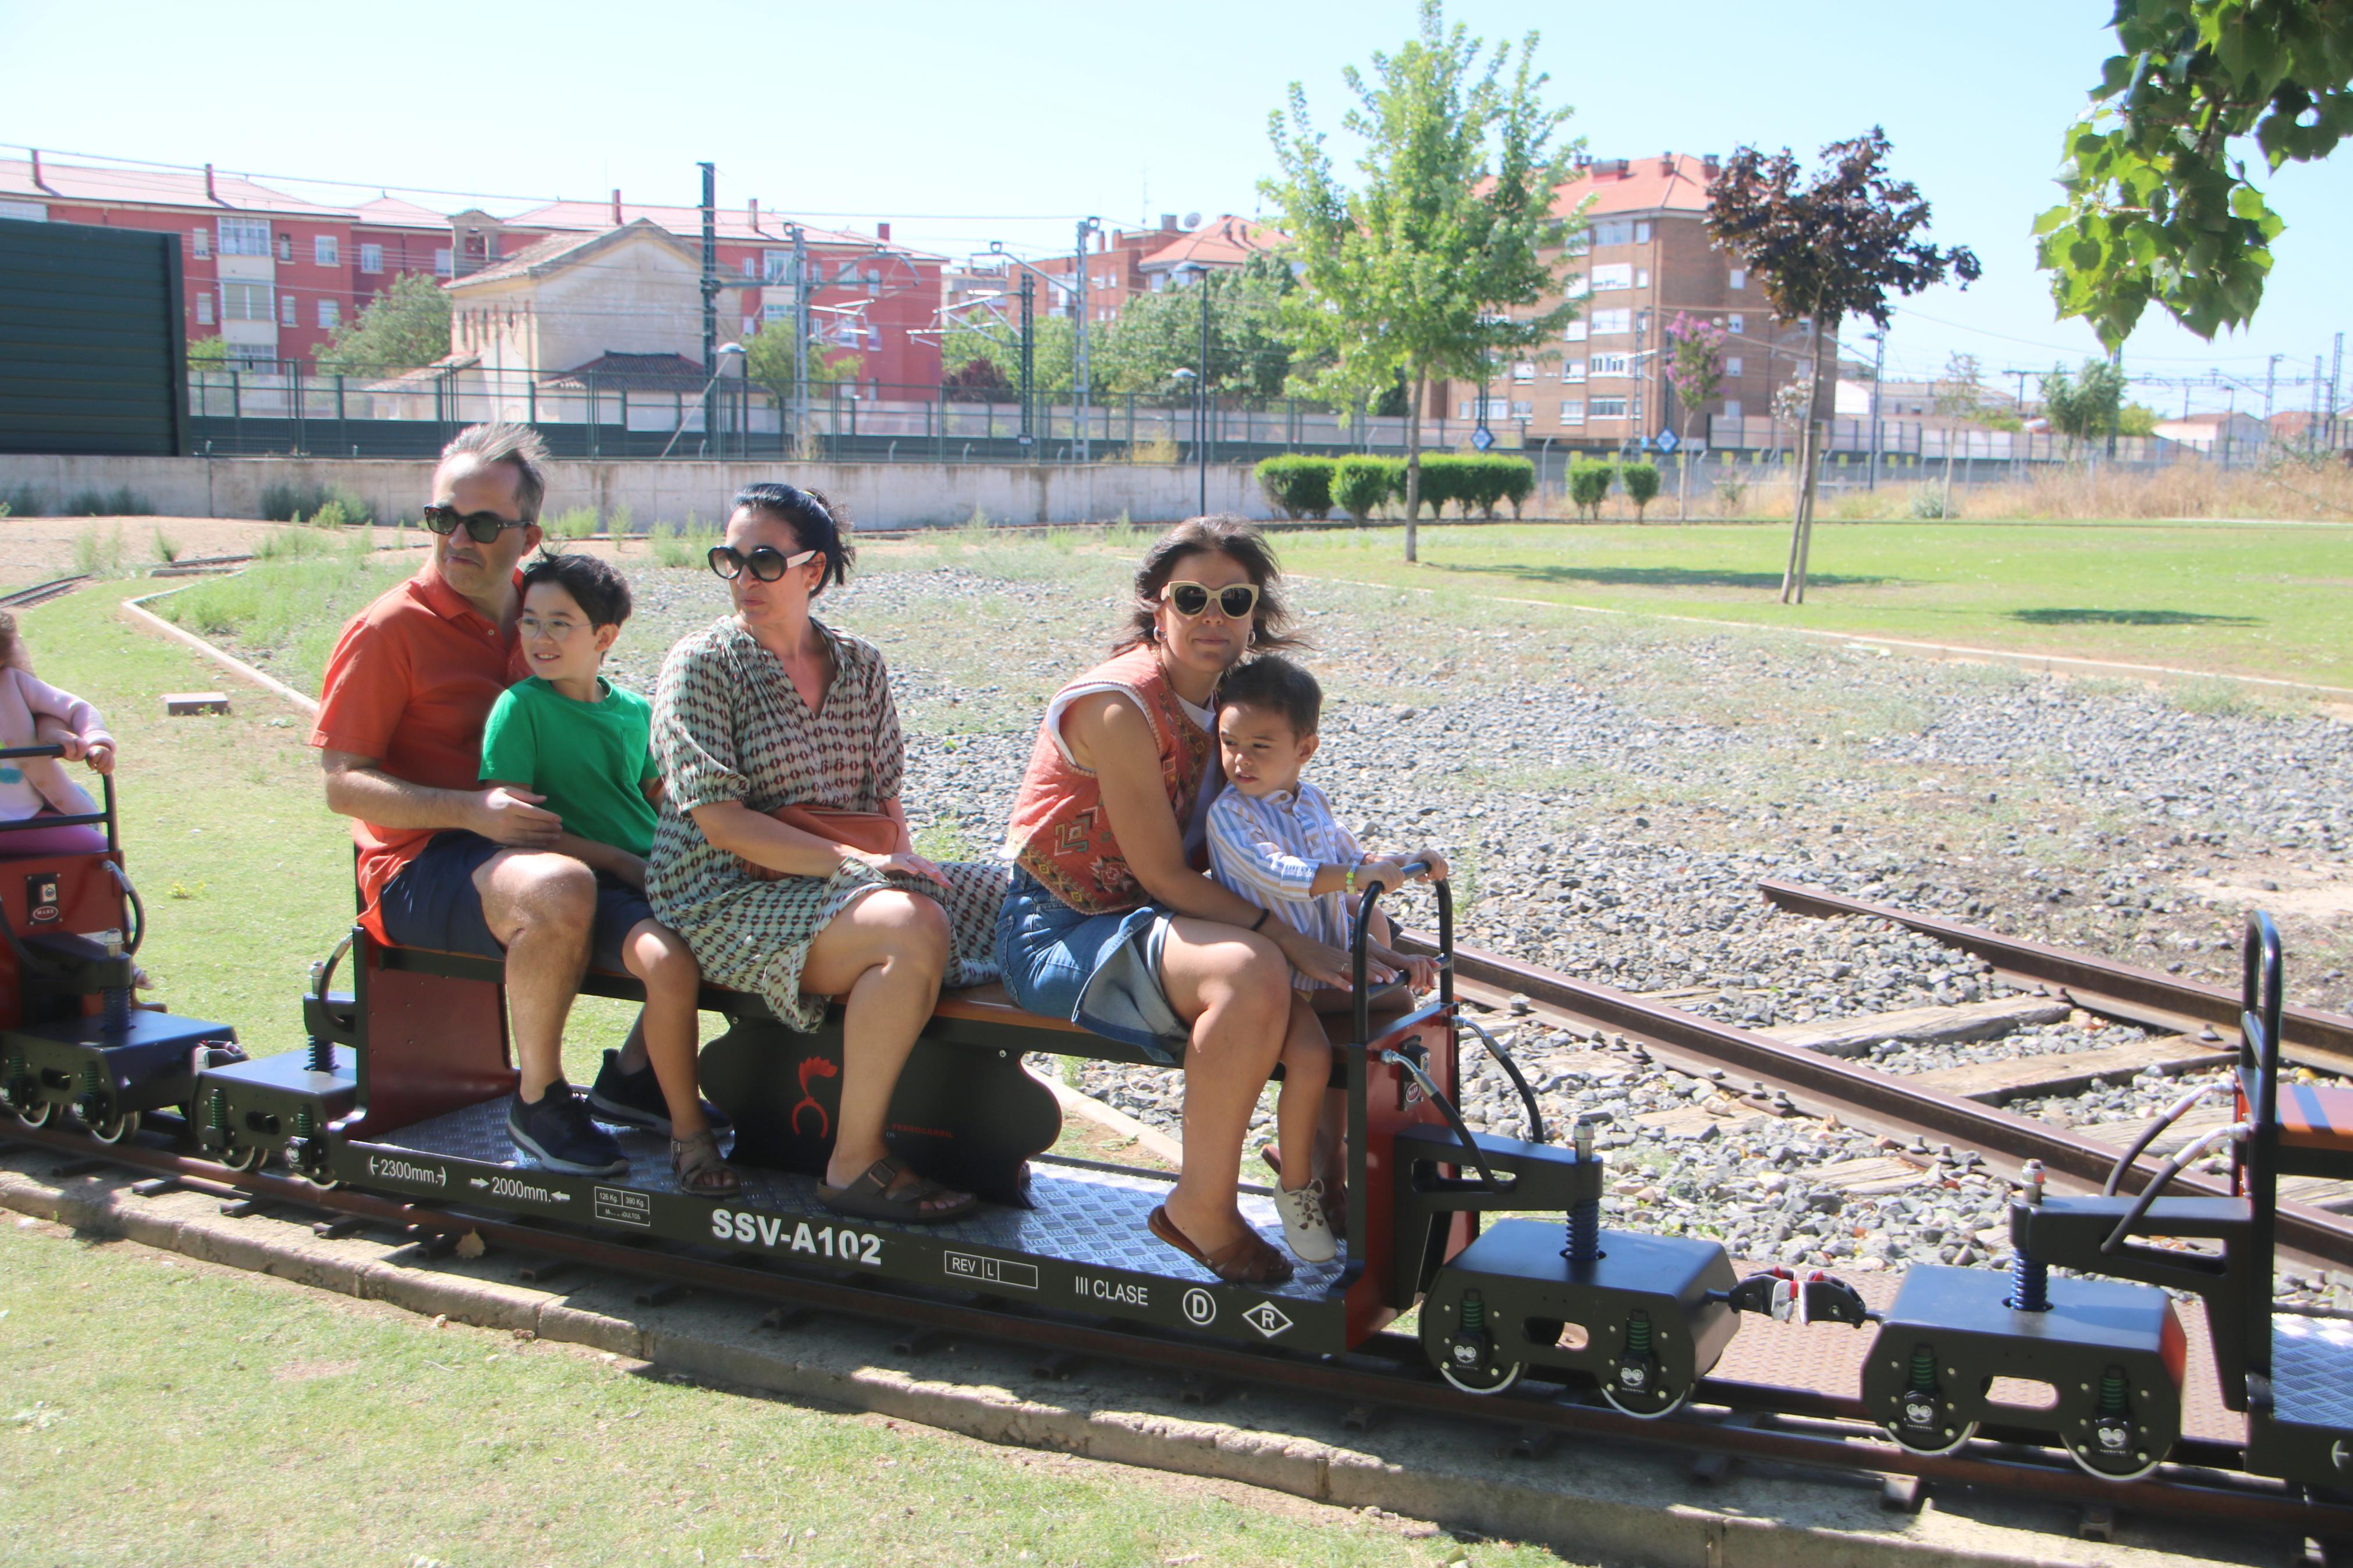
(1335, 1196)
(1247, 1261)
(699, 1171)
(871, 1197)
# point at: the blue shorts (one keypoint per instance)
(1100, 972)
(433, 903)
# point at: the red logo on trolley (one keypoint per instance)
(814, 1067)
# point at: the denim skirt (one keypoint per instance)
(1100, 972)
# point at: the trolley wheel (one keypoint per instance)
(115, 1129)
(1640, 1414)
(1489, 1380)
(243, 1157)
(1961, 1436)
(40, 1114)
(2085, 1463)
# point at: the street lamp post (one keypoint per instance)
(1084, 267)
(1201, 391)
(720, 357)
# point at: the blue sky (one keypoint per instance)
(964, 123)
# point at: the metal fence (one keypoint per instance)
(281, 408)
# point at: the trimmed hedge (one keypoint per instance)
(1642, 482)
(1298, 486)
(1359, 485)
(1588, 485)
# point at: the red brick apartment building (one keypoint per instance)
(272, 274)
(1647, 258)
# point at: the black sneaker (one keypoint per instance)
(634, 1099)
(558, 1134)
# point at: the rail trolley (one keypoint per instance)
(399, 1090)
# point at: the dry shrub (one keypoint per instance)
(2178, 489)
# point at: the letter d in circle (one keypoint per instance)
(1200, 1308)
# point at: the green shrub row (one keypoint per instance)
(1589, 480)
(1311, 487)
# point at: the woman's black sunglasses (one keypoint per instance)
(767, 563)
(482, 527)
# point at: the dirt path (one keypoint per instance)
(36, 549)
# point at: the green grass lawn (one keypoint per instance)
(163, 1411)
(2239, 599)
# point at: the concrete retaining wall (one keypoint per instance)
(877, 495)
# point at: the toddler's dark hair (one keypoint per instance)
(595, 585)
(1273, 682)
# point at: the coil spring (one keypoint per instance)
(1923, 1369)
(217, 1111)
(2030, 1284)
(2112, 1391)
(1638, 1334)
(16, 1074)
(93, 1082)
(1584, 1230)
(304, 1124)
(118, 1009)
(323, 1055)
(1474, 1313)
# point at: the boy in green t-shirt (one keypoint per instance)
(583, 746)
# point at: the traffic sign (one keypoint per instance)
(1483, 438)
(1665, 441)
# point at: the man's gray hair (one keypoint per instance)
(504, 441)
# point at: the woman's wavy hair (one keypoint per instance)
(1237, 539)
(815, 521)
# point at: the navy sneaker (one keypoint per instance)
(559, 1134)
(636, 1099)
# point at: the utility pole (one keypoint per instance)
(801, 342)
(1878, 370)
(710, 299)
(1201, 395)
(1028, 361)
(2312, 417)
(2335, 366)
(1087, 225)
(2117, 359)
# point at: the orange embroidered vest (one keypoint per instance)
(1060, 834)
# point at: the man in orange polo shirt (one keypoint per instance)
(444, 862)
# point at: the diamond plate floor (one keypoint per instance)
(2312, 1372)
(1091, 1218)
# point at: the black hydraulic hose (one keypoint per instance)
(138, 909)
(1519, 1081)
(1454, 1118)
(2167, 1118)
(2164, 1178)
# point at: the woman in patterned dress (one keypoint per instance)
(767, 708)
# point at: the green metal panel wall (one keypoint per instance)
(92, 351)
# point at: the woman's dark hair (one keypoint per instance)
(1275, 684)
(815, 521)
(1232, 537)
(595, 585)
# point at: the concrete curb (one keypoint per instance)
(1111, 1119)
(138, 614)
(1593, 1501)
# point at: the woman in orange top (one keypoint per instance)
(1112, 923)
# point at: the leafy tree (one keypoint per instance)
(1416, 273)
(2137, 419)
(402, 328)
(1588, 485)
(1959, 394)
(2086, 403)
(1155, 334)
(2158, 203)
(975, 381)
(1053, 354)
(1824, 251)
(1694, 370)
(208, 353)
(1642, 482)
(768, 361)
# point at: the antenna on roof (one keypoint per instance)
(1192, 220)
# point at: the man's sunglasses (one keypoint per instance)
(767, 563)
(482, 527)
(1235, 601)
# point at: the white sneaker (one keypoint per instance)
(1303, 1222)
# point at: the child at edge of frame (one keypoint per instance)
(1274, 840)
(586, 745)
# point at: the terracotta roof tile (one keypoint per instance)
(733, 225)
(1224, 241)
(634, 373)
(149, 187)
(1646, 187)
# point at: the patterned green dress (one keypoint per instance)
(730, 725)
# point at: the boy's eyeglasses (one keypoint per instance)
(531, 625)
(1235, 601)
(767, 562)
(482, 527)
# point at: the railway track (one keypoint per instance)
(1783, 1076)
(1727, 1420)
(41, 593)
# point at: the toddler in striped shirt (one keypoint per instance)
(1273, 839)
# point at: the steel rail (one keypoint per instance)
(1858, 1095)
(1391, 1376)
(2313, 1037)
(41, 593)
